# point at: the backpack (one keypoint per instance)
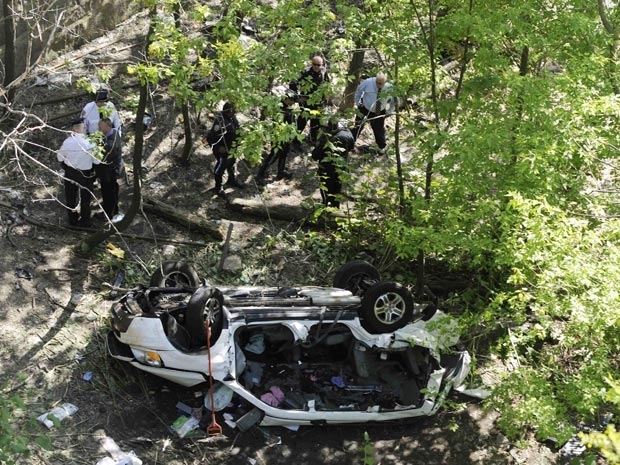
(213, 135)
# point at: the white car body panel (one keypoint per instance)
(145, 333)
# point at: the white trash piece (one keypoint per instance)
(477, 393)
(59, 413)
(118, 456)
(128, 459)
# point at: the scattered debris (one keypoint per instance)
(23, 273)
(188, 421)
(113, 250)
(229, 420)
(574, 447)
(57, 414)
(184, 425)
(222, 395)
(118, 457)
(118, 282)
(478, 393)
(272, 439)
(249, 419)
(147, 120)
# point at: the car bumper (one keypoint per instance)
(123, 352)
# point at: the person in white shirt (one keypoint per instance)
(99, 108)
(77, 158)
(373, 104)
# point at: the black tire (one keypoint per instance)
(175, 274)
(386, 307)
(356, 276)
(206, 303)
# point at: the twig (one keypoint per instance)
(8, 235)
(45, 270)
(116, 288)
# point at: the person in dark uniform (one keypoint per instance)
(310, 99)
(77, 158)
(280, 151)
(331, 151)
(221, 137)
(110, 168)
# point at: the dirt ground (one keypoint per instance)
(54, 305)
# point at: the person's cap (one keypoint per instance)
(76, 120)
(101, 95)
(229, 106)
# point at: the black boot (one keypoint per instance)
(233, 182)
(260, 176)
(282, 172)
(218, 186)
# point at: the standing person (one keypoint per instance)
(373, 105)
(281, 151)
(221, 137)
(331, 152)
(310, 97)
(76, 156)
(110, 169)
(99, 108)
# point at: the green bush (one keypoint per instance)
(15, 438)
(608, 441)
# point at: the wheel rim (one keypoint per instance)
(389, 308)
(213, 311)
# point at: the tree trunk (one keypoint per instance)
(355, 69)
(189, 141)
(9, 47)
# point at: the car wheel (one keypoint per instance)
(386, 307)
(206, 303)
(356, 276)
(175, 274)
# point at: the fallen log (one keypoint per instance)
(43, 224)
(274, 211)
(185, 219)
(277, 211)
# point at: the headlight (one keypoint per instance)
(152, 359)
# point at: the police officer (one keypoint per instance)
(331, 151)
(100, 107)
(223, 136)
(77, 156)
(310, 95)
(110, 168)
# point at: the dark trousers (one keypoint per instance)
(278, 154)
(331, 186)
(377, 123)
(78, 187)
(224, 163)
(106, 174)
